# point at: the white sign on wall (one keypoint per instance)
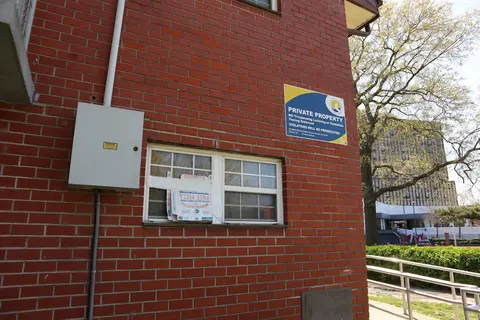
(191, 205)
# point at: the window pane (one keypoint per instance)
(158, 194)
(251, 206)
(250, 167)
(249, 199)
(203, 162)
(183, 160)
(157, 209)
(159, 171)
(263, 3)
(202, 173)
(267, 169)
(250, 181)
(232, 212)
(233, 165)
(269, 183)
(161, 157)
(268, 214)
(267, 200)
(250, 213)
(232, 198)
(177, 173)
(233, 179)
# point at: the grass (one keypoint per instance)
(441, 311)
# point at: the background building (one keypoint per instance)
(435, 190)
(417, 201)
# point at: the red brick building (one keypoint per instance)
(209, 76)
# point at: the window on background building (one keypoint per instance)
(269, 4)
(233, 188)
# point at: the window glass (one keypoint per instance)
(267, 169)
(162, 158)
(203, 162)
(251, 167)
(168, 164)
(157, 203)
(263, 3)
(159, 171)
(233, 165)
(250, 206)
(253, 174)
(183, 160)
(250, 181)
(233, 179)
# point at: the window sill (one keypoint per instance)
(260, 7)
(211, 225)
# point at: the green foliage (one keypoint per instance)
(458, 215)
(451, 257)
(460, 241)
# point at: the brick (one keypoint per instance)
(23, 254)
(52, 303)
(71, 289)
(19, 280)
(9, 293)
(18, 305)
(128, 308)
(130, 264)
(43, 242)
(49, 278)
(41, 314)
(69, 313)
(25, 128)
(25, 229)
(37, 266)
(180, 304)
(14, 242)
(155, 306)
(154, 285)
(142, 275)
(19, 171)
(32, 183)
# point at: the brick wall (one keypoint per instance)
(207, 73)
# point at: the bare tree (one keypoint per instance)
(407, 70)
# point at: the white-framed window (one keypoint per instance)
(269, 4)
(237, 189)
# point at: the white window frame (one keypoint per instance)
(217, 184)
(274, 5)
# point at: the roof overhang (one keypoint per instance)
(360, 13)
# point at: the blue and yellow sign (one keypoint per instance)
(313, 115)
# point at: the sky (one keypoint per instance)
(471, 73)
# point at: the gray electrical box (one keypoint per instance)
(107, 148)
(329, 304)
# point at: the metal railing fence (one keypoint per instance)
(407, 291)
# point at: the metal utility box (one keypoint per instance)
(107, 148)
(329, 304)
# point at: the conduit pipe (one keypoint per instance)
(112, 64)
(107, 102)
(93, 267)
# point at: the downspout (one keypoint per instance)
(112, 64)
(93, 268)
(107, 102)
(355, 32)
